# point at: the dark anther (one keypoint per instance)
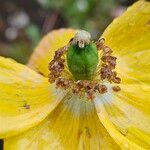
(116, 88)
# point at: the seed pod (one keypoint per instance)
(82, 62)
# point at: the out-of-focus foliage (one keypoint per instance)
(91, 15)
(23, 23)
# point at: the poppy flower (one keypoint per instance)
(94, 100)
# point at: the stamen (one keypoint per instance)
(108, 65)
(56, 66)
(63, 78)
(107, 51)
(116, 88)
(100, 43)
(63, 83)
(101, 88)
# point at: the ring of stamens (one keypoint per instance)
(82, 87)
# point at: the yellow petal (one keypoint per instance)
(128, 111)
(135, 67)
(44, 52)
(118, 134)
(73, 125)
(129, 37)
(26, 98)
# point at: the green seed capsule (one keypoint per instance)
(82, 61)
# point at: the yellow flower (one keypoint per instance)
(36, 115)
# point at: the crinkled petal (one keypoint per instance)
(26, 98)
(73, 125)
(128, 114)
(45, 51)
(129, 37)
(128, 111)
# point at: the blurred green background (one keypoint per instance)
(24, 22)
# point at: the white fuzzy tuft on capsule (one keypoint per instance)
(81, 38)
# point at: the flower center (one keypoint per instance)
(82, 57)
(89, 63)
